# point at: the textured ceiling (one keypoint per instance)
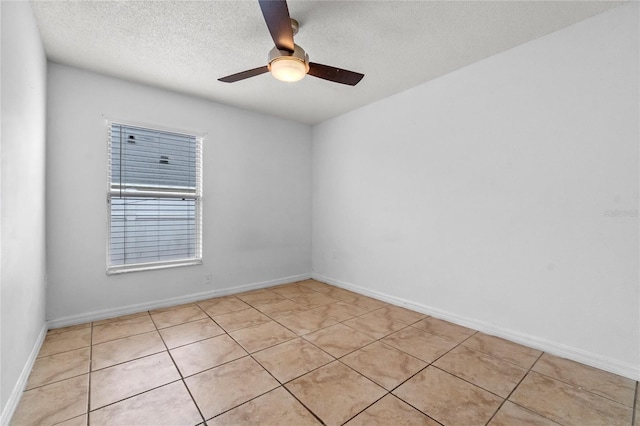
(186, 46)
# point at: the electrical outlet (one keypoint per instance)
(208, 279)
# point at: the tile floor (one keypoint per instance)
(308, 353)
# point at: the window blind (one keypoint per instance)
(154, 198)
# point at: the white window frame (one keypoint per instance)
(114, 190)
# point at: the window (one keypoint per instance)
(154, 199)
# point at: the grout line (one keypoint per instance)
(90, 373)
(255, 360)
(179, 372)
(634, 418)
(246, 402)
(135, 395)
(339, 359)
(429, 364)
(282, 384)
(129, 360)
(265, 369)
(125, 337)
(389, 392)
(62, 352)
(216, 366)
(516, 387)
(302, 403)
(475, 349)
(368, 406)
(55, 381)
(132, 317)
(196, 341)
(416, 408)
(577, 386)
(183, 323)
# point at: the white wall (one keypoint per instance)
(256, 200)
(22, 198)
(482, 196)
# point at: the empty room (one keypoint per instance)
(271, 212)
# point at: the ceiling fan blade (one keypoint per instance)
(276, 15)
(334, 74)
(244, 74)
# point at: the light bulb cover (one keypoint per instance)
(288, 69)
(288, 66)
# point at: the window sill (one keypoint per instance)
(137, 267)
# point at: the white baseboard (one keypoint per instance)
(16, 393)
(554, 348)
(146, 306)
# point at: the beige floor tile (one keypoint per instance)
(222, 305)
(339, 311)
(285, 285)
(76, 421)
(292, 359)
(511, 414)
(346, 296)
(122, 328)
(256, 296)
(178, 316)
(341, 294)
(229, 385)
(383, 364)
(276, 407)
(69, 328)
(58, 367)
(67, 341)
(316, 286)
(375, 326)
(313, 300)
(567, 404)
(398, 313)
(637, 405)
(167, 405)
(420, 344)
(338, 340)
(600, 382)
(306, 322)
(262, 336)
(448, 399)
(190, 332)
(54, 403)
(293, 290)
(335, 393)
(492, 374)
(171, 308)
(124, 380)
(448, 330)
(366, 303)
(116, 351)
(391, 411)
(279, 308)
(241, 319)
(517, 354)
(206, 354)
(122, 318)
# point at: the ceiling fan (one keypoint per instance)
(288, 61)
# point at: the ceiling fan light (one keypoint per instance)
(288, 68)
